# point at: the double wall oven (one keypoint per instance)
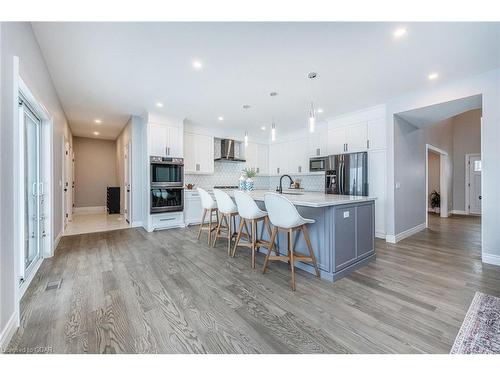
(167, 184)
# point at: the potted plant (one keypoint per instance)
(435, 201)
(249, 174)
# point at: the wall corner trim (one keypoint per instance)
(407, 233)
(9, 330)
(491, 259)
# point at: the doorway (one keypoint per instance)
(127, 174)
(473, 197)
(68, 182)
(436, 184)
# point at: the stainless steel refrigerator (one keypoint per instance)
(347, 174)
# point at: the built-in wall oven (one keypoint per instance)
(167, 184)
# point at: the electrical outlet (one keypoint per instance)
(346, 214)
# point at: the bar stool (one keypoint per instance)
(284, 216)
(228, 211)
(250, 212)
(210, 207)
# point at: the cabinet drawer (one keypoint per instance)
(167, 220)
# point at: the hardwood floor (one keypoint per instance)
(128, 291)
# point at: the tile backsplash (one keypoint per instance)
(228, 173)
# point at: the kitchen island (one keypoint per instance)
(343, 236)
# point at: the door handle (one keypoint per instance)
(480, 197)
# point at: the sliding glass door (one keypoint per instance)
(33, 188)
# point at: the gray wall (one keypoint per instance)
(17, 39)
(466, 140)
(434, 170)
(95, 169)
(409, 168)
(132, 133)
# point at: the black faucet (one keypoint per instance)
(280, 188)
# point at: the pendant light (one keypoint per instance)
(246, 106)
(273, 124)
(312, 112)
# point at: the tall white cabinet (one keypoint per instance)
(199, 153)
(165, 140)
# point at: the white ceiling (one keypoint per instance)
(433, 114)
(113, 70)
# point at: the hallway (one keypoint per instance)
(94, 222)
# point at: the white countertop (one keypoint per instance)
(310, 198)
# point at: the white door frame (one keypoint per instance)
(47, 178)
(467, 181)
(443, 183)
(67, 196)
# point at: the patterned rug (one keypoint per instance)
(480, 331)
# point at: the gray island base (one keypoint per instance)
(343, 236)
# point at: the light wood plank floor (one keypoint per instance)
(128, 291)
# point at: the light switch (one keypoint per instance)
(398, 185)
(346, 214)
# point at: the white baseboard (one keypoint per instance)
(9, 330)
(407, 233)
(136, 224)
(378, 235)
(90, 210)
(491, 259)
(56, 243)
(459, 212)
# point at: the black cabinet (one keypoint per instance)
(113, 200)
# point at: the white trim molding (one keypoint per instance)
(9, 330)
(491, 259)
(459, 212)
(136, 224)
(407, 233)
(90, 210)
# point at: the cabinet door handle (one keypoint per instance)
(168, 219)
(367, 143)
(257, 169)
(300, 169)
(197, 167)
(318, 152)
(278, 170)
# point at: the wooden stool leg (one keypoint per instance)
(210, 226)
(201, 224)
(273, 236)
(229, 234)
(217, 231)
(268, 226)
(254, 241)
(292, 258)
(309, 246)
(240, 231)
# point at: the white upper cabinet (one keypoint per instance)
(165, 140)
(356, 137)
(251, 155)
(376, 134)
(318, 144)
(296, 153)
(199, 154)
(257, 159)
(336, 141)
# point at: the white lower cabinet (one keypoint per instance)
(192, 207)
(377, 165)
(167, 220)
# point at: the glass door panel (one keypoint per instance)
(32, 190)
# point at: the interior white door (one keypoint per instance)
(68, 183)
(127, 173)
(475, 184)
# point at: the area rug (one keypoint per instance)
(480, 331)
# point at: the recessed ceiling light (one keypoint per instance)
(220, 118)
(98, 121)
(197, 64)
(263, 128)
(433, 76)
(159, 105)
(320, 110)
(96, 133)
(399, 33)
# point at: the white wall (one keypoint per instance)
(487, 84)
(17, 39)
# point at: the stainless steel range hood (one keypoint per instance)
(228, 150)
